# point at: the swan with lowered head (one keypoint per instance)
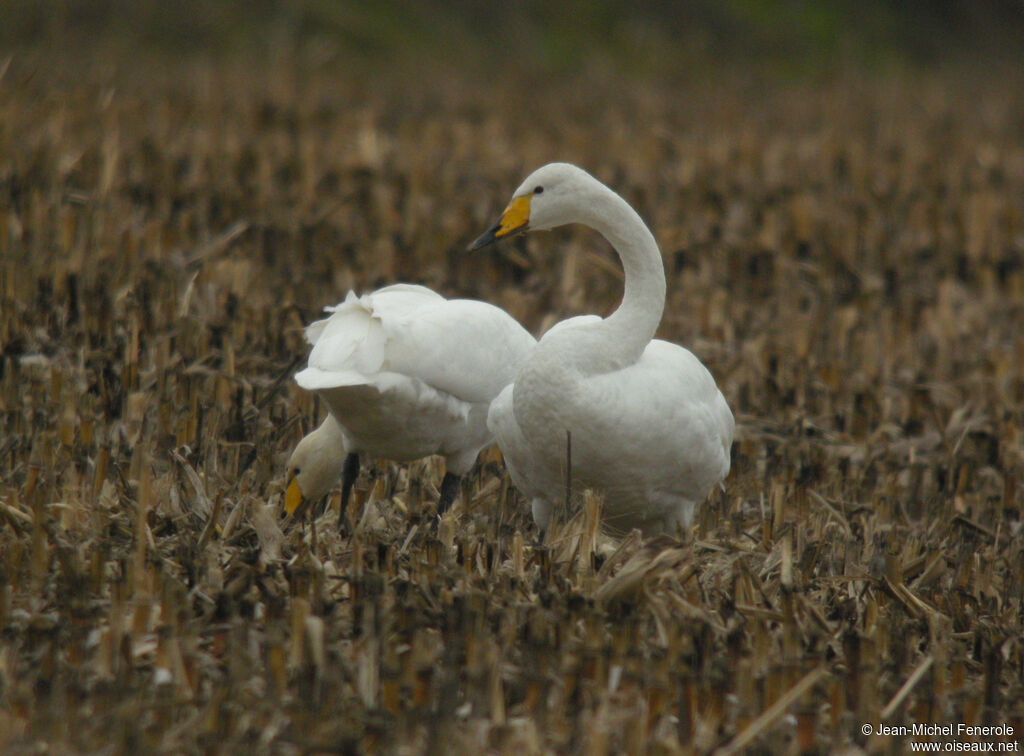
(405, 374)
(649, 428)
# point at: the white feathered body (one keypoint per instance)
(653, 437)
(408, 373)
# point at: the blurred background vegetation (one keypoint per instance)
(785, 37)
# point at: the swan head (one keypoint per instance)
(314, 466)
(549, 197)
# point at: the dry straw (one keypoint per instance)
(845, 258)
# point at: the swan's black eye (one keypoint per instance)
(538, 190)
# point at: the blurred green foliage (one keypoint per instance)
(647, 35)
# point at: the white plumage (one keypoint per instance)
(650, 430)
(405, 374)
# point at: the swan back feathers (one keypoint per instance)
(465, 348)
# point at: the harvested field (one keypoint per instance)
(846, 255)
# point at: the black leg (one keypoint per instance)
(349, 473)
(449, 490)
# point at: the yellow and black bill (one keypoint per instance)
(293, 498)
(514, 220)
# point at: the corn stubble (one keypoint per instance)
(848, 265)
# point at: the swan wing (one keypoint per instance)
(347, 321)
(465, 348)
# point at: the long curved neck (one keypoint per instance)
(621, 338)
(633, 324)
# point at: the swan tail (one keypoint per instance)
(357, 334)
(316, 379)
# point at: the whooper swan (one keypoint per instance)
(405, 374)
(649, 429)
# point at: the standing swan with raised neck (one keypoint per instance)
(650, 430)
